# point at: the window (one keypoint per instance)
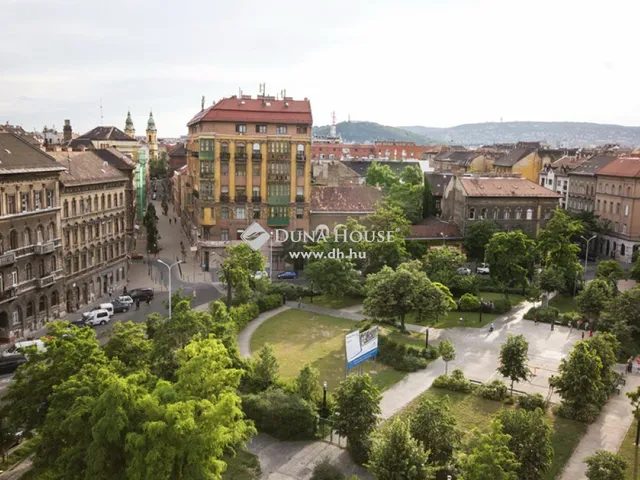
(84, 260)
(49, 198)
(67, 237)
(13, 239)
(241, 213)
(547, 214)
(29, 271)
(507, 214)
(115, 199)
(529, 214)
(224, 212)
(483, 214)
(95, 203)
(299, 212)
(42, 304)
(256, 213)
(626, 210)
(606, 188)
(37, 200)
(281, 129)
(624, 228)
(224, 169)
(255, 192)
(598, 205)
(26, 236)
(619, 189)
(261, 129)
(102, 202)
(496, 213)
(83, 234)
(41, 270)
(39, 234)
(241, 128)
(255, 169)
(241, 170)
(11, 204)
(618, 208)
(615, 227)
(628, 191)
(54, 263)
(121, 199)
(278, 212)
(472, 213)
(224, 235)
(65, 209)
(301, 130)
(54, 298)
(518, 214)
(610, 207)
(109, 201)
(74, 211)
(29, 309)
(600, 187)
(206, 190)
(76, 262)
(24, 199)
(206, 166)
(75, 235)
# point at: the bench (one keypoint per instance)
(617, 385)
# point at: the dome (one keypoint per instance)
(151, 124)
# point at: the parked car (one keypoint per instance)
(135, 256)
(463, 271)
(11, 363)
(260, 275)
(104, 306)
(289, 275)
(17, 349)
(483, 269)
(141, 293)
(118, 307)
(96, 317)
(79, 323)
(125, 299)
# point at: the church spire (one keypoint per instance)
(151, 124)
(128, 128)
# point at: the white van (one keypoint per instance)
(104, 306)
(16, 348)
(96, 317)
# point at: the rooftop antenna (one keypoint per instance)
(101, 116)
(202, 104)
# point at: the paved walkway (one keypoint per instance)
(244, 338)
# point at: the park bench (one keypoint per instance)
(617, 385)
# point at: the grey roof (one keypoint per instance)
(179, 150)
(591, 166)
(513, 157)
(102, 133)
(438, 182)
(460, 158)
(84, 168)
(361, 166)
(17, 155)
(116, 158)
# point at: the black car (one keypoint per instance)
(142, 294)
(120, 307)
(79, 323)
(11, 363)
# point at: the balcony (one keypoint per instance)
(300, 157)
(241, 198)
(46, 281)
(9, 294)
(224, 198)
(280, 157)
(256, 156)
(225, 156)
(7, 259)
(24, 251)
(45, 248)
(300, 198)
(256, 198)
(278, 200)
(278, 177)
(278, 221)
(241, 158)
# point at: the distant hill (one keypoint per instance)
(360, 132)
(557, 134)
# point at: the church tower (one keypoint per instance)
(128, 126)
(152, 138)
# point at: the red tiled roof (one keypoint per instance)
(256, 110)
(622, 167)
(434, 228)
(504, 187)
(358, 198)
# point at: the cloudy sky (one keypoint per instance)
(396, 62)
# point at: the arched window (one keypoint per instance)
(27, 237)
(76, 261)
(300, 148)
(29, 271)
(54, 263)
(88, 203)
(81, 206)
(619, 189)
(529, 214)
(518, 213)
(109, 201)
(224, 147)
(507, 214)
(39, 234)
(95, 203)
(54, 298)
(41, 270)
(51, 231)
(67, 264)
(240, 149)
(115, 199)
(29, 309)
(42, 304)
(622, 249)
(472, 213)
(65, 209)
(74, 210)
(483, 214)
(628, 191)
(496, 214)
(13, 239)
(102, 204)
(606, 188)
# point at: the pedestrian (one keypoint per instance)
(570, 326)
(175, 220)
(583, 335)
(535, 321)
(169, 221)
(630, 365)
(284, 299)
(300, 302)
(148, 301)
(110, 292)
(138, 305)
(590, 333)
(553, 325)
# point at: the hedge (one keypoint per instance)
(243, 314)
(469, 303)
(542, 314)
(532, 401)
(404, 358)
(455, 382)
(269, 302)
(493, 390)
(283, 415)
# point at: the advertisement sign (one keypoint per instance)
(361, 346)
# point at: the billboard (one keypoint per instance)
(361, 346)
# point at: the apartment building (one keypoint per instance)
(582, 183)
(93, 221)
(248, 161)
(31, 274)
(617, 200)
(555, 176)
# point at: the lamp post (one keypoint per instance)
(481, 307)
(586, 252)
(324, 398)
(169, 267)
(271, 256)
(443, 237)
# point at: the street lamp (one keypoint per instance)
(271, 256)
(586, 252)
(324, 398)
(443, 237)
(481, 307)
(169, 267)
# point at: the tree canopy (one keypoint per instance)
(477, 236)
(513, 359)
(511, 256)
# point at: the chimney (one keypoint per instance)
(67, 131)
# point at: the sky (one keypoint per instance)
(435, 63)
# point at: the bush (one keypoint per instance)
(532, 401)
(586, 414)
(455, 382)
(283, 415)
(543, 314)
(289, 290)
(325, 470)
(269, 302)
(464, 284)
(501, 305)
(243, 314)
(401, 357)
(494, 390)
(574, 317)
(469, 303)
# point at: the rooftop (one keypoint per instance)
(255, 110)
(504, 187)
(513, 157)
(86, 168)
(592, 165)
(101, 133)
(178, 151)
(356, 199)
(438, 182)
(17, 155)
(432, 227)
(622, 167)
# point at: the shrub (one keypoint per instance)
(532, 401)
(494, 390)
(574, 317)
(269, 302)
(543, 314)
(283, 415)
(289, 290)
(501, 305)
(469, 303)
(455, 382)
(243, 314)
(464, 284)
(401, 357)
(325, 470)
(586, 414)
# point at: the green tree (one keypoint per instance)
(611, 271)
(239, 266)
(165, 206)
(266, 371)
(593, 299)
(487, 455)
(606, 347)
(381, 175)
(530, 441)
(428, 205)
(552, 279)
(604, 465)
(447, 352)
(128, 344)
(443, 259)
(308, 383)
(358, 406)
(511, 258)
(396, 454)
(393, 253)
(634, 273)
(429, 299)
(621, 316)
(514, 355)
(477, 236)
(333, 276)
(434, 425)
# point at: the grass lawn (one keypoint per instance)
(244, 466)
(628, 450)
(333, 302)
(19, 453)
(472, 411)
(299, 336)
(564, 303)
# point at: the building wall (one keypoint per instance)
(94, 241)
(31, 274)
(331, 219)
(582, 193)
(528, 167)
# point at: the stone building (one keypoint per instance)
(523, 160)
(514, 203)
(31, 274)
(555, 176)
(93, 221)
(582, 183)
(451, 161)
